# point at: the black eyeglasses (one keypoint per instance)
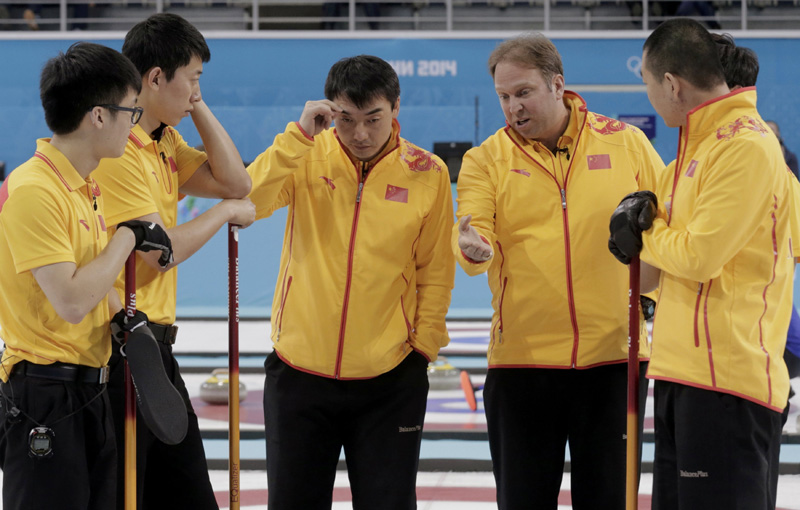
(136, 111)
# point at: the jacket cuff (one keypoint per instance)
(304, 131)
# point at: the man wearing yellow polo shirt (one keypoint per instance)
(57, 267)
(158, 167)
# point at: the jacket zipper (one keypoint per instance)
(570, 290)
(349, 281)
(567, 250)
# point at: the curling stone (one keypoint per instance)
(215, 389)
(443, 376)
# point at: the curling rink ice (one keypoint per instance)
(455, 466)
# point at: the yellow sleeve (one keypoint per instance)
(794, 216)
(435, 273)
(272, 171)
(34, 225)
(124, 187)
(476, 196)
(725, 215)
(650, 165)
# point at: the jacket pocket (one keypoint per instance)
(282, 308)
(497, 330)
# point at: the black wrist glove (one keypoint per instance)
(150, 236)
(121, 324)
(634, 214)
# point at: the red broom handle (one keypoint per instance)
(632, 471)
(130, 395)
(233, 364)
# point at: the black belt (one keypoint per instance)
(164, 334)
(63, 372)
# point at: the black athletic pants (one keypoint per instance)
(169, 477)
(533, 412)
(713, 450)
(80, 473)
(378, 421)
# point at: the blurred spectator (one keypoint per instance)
(336, 9)
(32, 13)
(704, 9)
(80, 10)
(789, 156)
(655, 10)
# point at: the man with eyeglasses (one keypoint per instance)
(158, 168)
(57, 271)
(136, 111)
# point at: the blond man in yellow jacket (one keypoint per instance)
(533, 207)
(722, 240)
(364, 285)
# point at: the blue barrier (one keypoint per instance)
(256, 86)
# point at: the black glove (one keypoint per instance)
(648, 307)
(634, 214)
(121, 324)
(150, 236)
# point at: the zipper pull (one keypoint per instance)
(360, 187)
(563, 198)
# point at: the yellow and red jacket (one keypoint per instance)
(722, 241)
(560, 298)
(366, 269)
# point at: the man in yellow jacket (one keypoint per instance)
(363, 289)
(722, 240)
(533, 205)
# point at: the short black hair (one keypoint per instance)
(362, 79)
(87, 75)
(164, 40)
(739, 64)
(684, 47)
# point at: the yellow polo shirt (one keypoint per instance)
(146, 180)
(48, 214)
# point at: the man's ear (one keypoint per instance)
(559, 86)
(673, 85)
(154, 77)
(396, 108)
(97, 116)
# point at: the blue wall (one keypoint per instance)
(257, 86)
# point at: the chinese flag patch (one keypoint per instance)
(396, 194)
(599, 161)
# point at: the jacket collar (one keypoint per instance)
(709, 116)
(139, 137)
